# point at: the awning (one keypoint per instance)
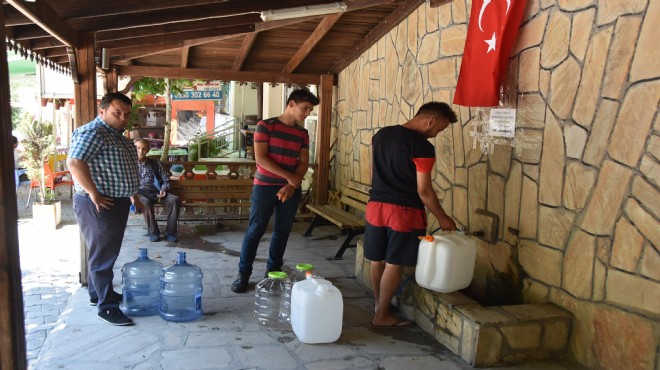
(19, 66)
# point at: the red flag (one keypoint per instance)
(492, 33)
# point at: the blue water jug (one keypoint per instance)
(181, 291)
(141, 286)
(273, 301)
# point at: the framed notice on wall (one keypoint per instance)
(502, 122)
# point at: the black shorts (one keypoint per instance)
(392, 233)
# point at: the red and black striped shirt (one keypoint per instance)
(284, 146)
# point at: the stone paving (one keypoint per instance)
(63, 330)
(49, 271)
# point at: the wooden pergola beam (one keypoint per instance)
(46, 17)
(185, 52)
(176, 37)
(321, 30)
(223, 75)
(394, 18)
(243, 52)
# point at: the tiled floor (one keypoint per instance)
(63, 331)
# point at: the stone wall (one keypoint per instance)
(579, 213)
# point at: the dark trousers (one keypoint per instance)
(173, 205)
(263, 202)
(103, 233)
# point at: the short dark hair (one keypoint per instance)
(140, 140)
(438, 109)
(107, 99)
(15, 139)
(303, 95)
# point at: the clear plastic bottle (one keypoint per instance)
(181, 291)
(141, 286)
(273, 301)
(301, 272)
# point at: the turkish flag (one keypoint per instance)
(492, 33)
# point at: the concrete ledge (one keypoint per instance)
(481, 336)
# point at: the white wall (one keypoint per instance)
(273, 100)
(243, 102)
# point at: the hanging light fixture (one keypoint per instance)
(303, 11)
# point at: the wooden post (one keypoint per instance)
(111, 82)
(12, 329)
(86, 109)
(323, 127)
(85, 88)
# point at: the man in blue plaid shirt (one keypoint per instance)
(103, 164)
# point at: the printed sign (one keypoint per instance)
(502, 122)
(198, 95)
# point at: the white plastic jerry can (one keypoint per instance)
(317, 311)
(445, 263)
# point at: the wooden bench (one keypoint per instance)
(354, 195)
(209, 191)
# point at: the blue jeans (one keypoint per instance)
(263, 201)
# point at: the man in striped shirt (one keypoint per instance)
(103, 163)
(281, 149)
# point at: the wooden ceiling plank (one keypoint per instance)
(223, 75)
(55, 52)
(141, 51)
(134, 52)
(185, 52)
(177, 37)
(28, 32)
(13, 17)
(134, 18)
(393, 19)
(321, 30)
(40, 44)
(45, 17)
(243, 52)
(83, 10)
(177, 27)
(363, 4)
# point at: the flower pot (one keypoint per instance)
(47, 216)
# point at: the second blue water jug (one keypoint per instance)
(181, 291)
(141, 286)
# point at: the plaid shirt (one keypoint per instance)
(147, 176)
(111, 157)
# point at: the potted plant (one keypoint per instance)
(38, 144)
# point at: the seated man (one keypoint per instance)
(154, 186)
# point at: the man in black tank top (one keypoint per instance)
(403, 162)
